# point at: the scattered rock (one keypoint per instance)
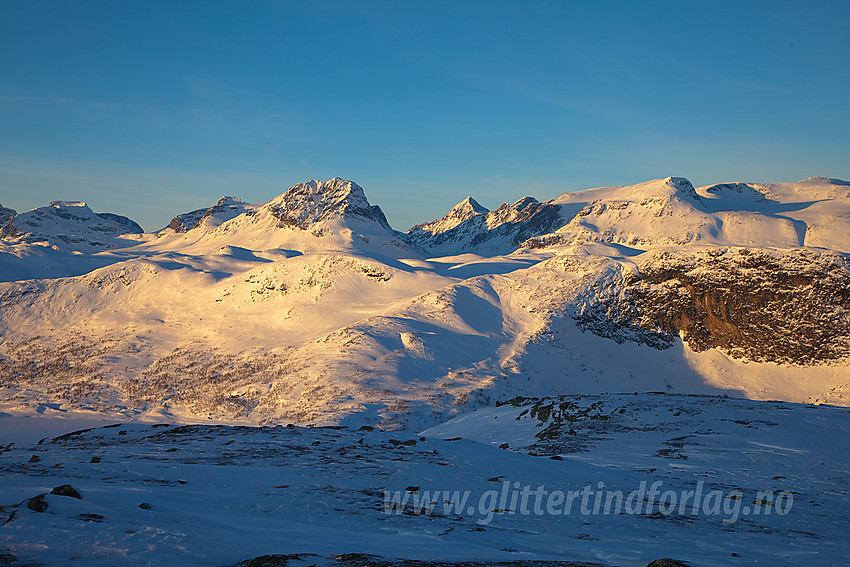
(37, 503)
(145, 506)
(355, 558)
(269, 561)
(95, 460)
(66, 490)
(503, 446)
(366, 428)
(97, 518)
(667, 562)
(35, 459)
(670, 454)
(413, 489)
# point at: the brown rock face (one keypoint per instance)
(770, 306)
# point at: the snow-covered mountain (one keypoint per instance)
(329, 215)
(463, 211)
(65, 238)
(812, 212)
(311, 309)
(69, 226)
(470, 228)
(661, 212)
(225, 209)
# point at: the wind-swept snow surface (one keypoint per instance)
(614, 480)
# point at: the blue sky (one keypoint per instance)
(152, 108)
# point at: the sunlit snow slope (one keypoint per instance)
(311, 309)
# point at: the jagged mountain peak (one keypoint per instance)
(499, 231)
(314, 215)
(336, 191)
(684, 186)
(468, 207)
(518, 212)
(518, 205)
(460, 213)
(306, 203)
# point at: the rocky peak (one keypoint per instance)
(467, 208)
(229, 202)
(6, 213)
(70, 210)
(463, 211)
(227, 206)
(131, 226)
(225, 209)
(521, 210)
(72, 225)
(307, 203)
(6, 221)
(487, 232)
(683, 187)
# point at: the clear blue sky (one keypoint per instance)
(151, 108)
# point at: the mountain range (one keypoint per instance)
(312, 309)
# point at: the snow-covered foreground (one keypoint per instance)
(703, 479)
